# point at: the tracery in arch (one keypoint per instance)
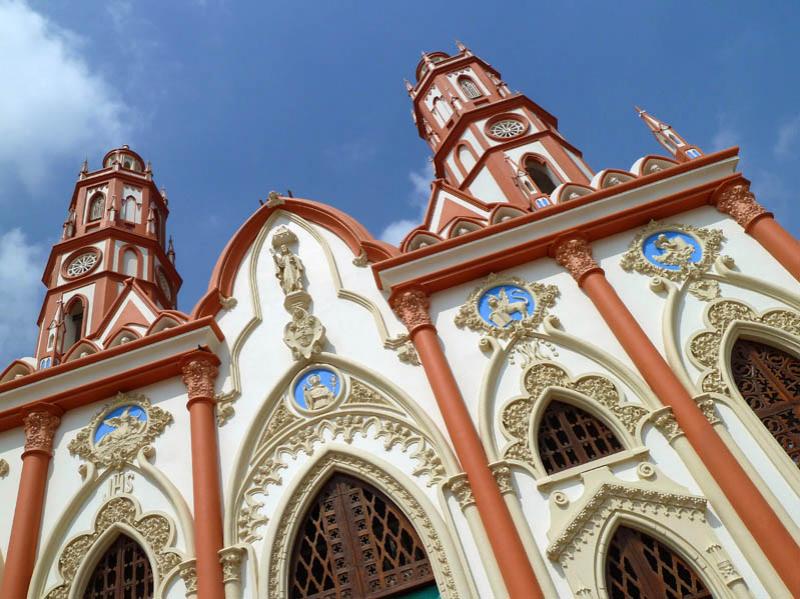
(124, 570)
(354, 541)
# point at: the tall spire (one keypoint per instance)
(669, 138)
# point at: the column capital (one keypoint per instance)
(411, 306)
(40, 428)
(200, 369)
(735, 199)
(575, 254)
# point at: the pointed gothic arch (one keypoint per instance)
(442, 553)
(124, 570)
(540, 173)
(96, 207)
(354, 541)
(768, 379)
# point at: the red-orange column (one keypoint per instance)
(199, 373)
(734, 198)
(412, 308)
(39, 430)
(575, 255)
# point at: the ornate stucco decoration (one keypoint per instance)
(119, 430)
(434, 544)
(289, 268)
(538, 378)
(343, 408)
(231, 560)
(4, 469)
(575, 255)
(664, 420)
(461, 489)
(704, 347)
(153, 528)
(676, 252)
(188, 573)
(736, 200)
(304, 334)
(40, 428)
(411, 307)
(505, 305)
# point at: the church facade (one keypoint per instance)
(563, 383)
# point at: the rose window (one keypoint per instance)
(507, 128)
(82, 264)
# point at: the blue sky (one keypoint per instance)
(230, 100)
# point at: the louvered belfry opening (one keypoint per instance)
(769, 381)
(123, 572)
(638, 567)
(569, 436)
(355, 543)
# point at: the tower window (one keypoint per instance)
(469, 88)
(130, 263)
(129, 209)
(73, 324)
(540, 175)
(569, 436)
(96, 205)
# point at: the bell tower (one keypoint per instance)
(114, 236)
(487, 141)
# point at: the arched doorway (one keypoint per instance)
(769, 381)
(123, 572)
(639, 566)
(355, 542)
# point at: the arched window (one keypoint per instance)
(130, 263)
(637, 565)
(469, 88)
(129, 209)
(769, 381)
(73, 324)
(354, 542)
(96, 205)
(466, 158)
(123, 572)
(569, 436)
(540, 175)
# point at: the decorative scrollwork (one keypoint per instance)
(119, 430)
(504, 305)
(676, 252)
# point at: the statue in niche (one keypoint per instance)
(677, 251)
(288, 268)
(304, 334)
(316, 394)
(502, 308)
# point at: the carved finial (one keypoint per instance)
(575, 255)
(84, 169)
(164, 195)
(274, 199)
(461, 47)
(171, 250)
(409, 87)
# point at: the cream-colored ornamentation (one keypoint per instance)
(128, 434)
(228, 303)
(289, 268)
(407, 354)
(560, 499)
(645, 470)
(502, 476)
(361, 393)
(274, 199)
(361, 260)
(704, 346)
(529, 350)
(304, 334)
(281, 420)
(664, 420)
(675, 262)
(391, 429)
(512, 306)
(706, 405)
(461, 489)
(724, 565)
(225, 409)
(40, 428)
(281, 545)
(516, 415)
(188, 573)
(231, 560)
(153, 528)
(4, 469)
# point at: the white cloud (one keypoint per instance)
(395, 231)
(52, 105)
(725, 137)
(788, 135)
(20, 295)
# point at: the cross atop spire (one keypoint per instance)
(669, 138)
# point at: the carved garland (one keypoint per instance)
(516, 415)
(704, 346)
(281, 548)
(154, 528)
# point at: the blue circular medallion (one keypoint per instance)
(316, 388)
(503, 304)
(672, 249)
(121, 421)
